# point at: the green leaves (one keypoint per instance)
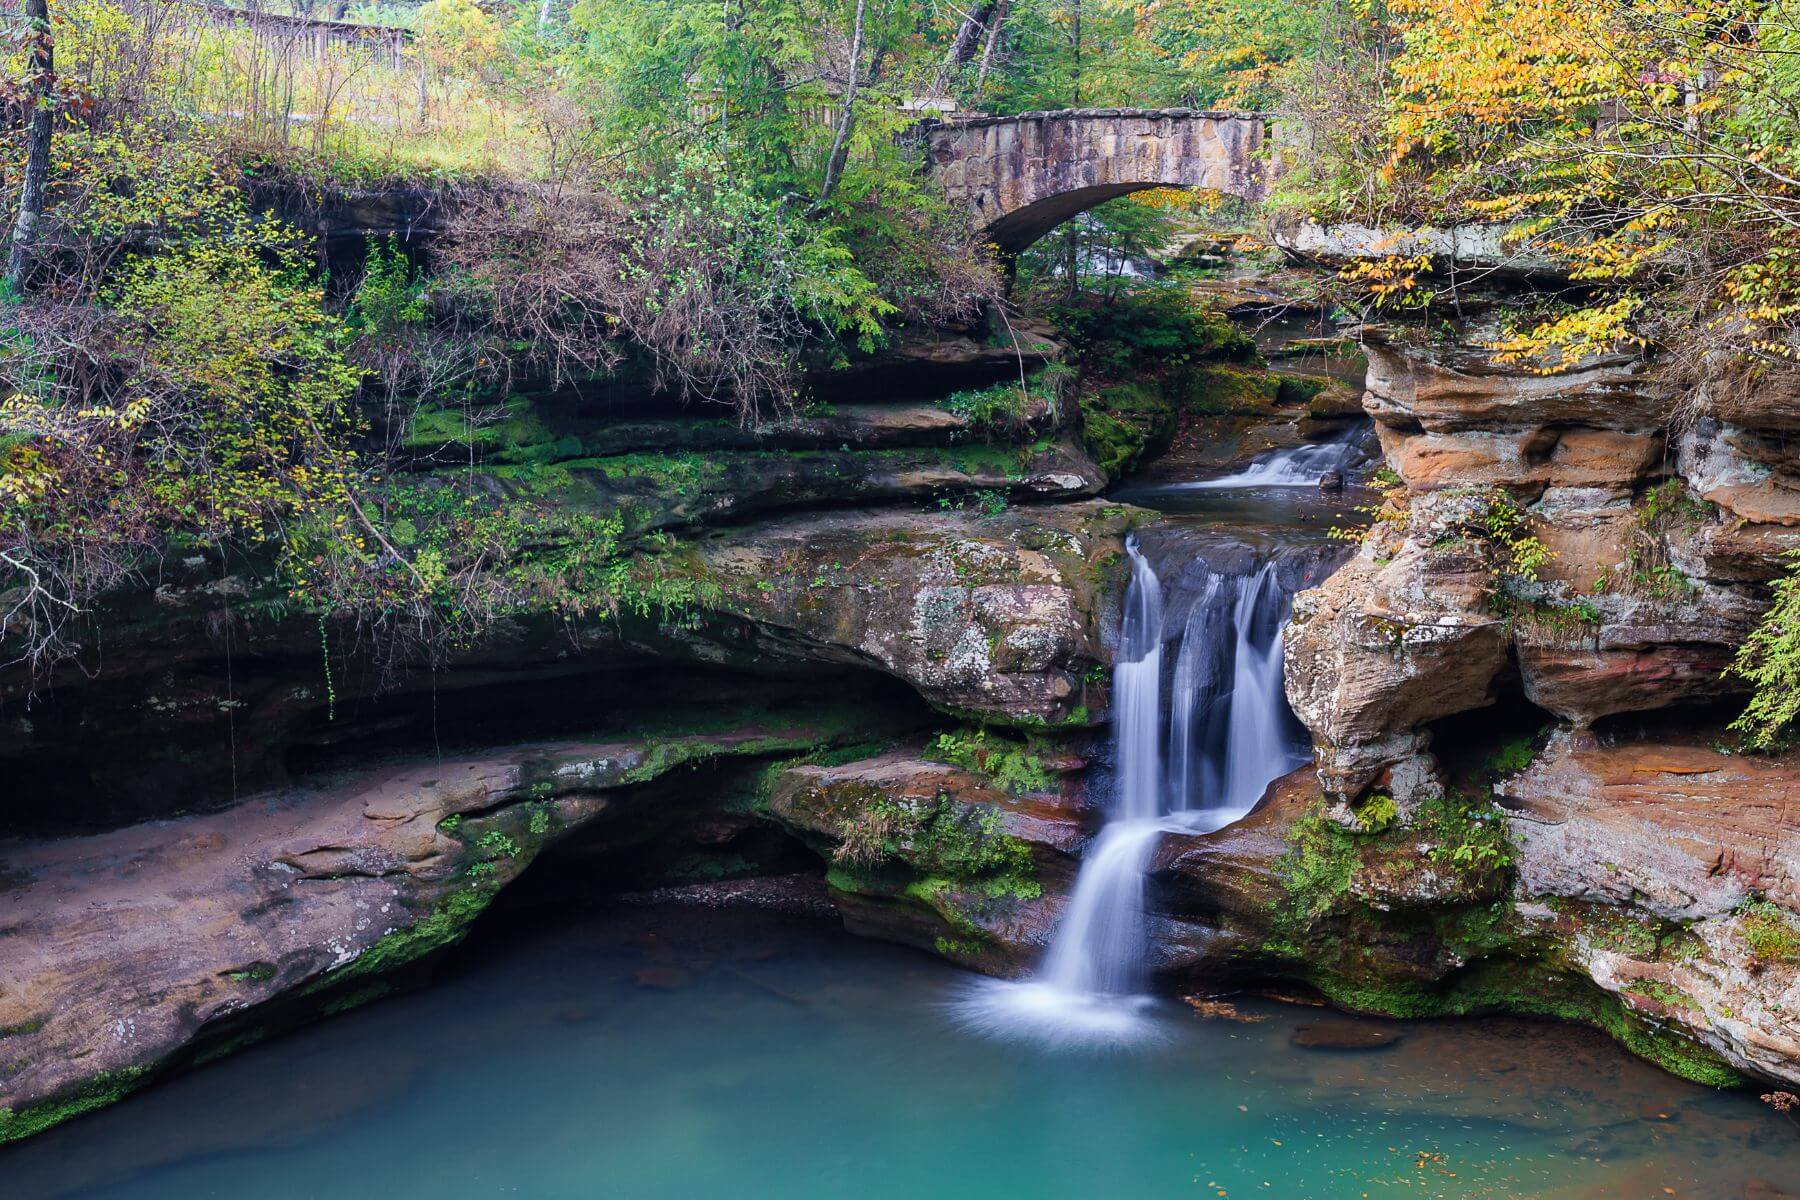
(390, 301)
(238, 388)
(1770, 662)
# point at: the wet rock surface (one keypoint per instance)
(133, 951)
(1694, 856)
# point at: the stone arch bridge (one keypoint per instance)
(1024, 175)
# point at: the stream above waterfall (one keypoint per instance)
(691, 1053)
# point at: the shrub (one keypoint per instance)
(999, 408)
(1376, 813)
(722, 289)
(1769, 661)
(1766, 929)
(1013, 765)
(209, 397)
(1157, 324)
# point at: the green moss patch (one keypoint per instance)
(1526, 987)
(942, 845)
(1384, 922)
(1769, 932)
(98, 1092)
(1222, 388)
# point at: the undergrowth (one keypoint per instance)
(1016, 766)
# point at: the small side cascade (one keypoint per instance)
(1297, 466)
(1227, 733)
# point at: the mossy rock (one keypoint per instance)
(1123, 423)
(1381, 925)
(1223, 388)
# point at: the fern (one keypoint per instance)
(1770, 662)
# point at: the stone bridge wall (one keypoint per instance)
(1024, 175)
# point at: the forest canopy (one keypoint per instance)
(725, 196)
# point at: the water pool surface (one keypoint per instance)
(691, 1052)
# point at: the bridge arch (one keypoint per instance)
(1024, 175)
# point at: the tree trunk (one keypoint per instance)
(1072, 260)
(840, 144)
(968, 39)
(1075, 40)
(993, 44)
(544, 9)
(37, 152)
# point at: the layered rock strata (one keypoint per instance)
(1648, 541)
(1592, 546)
(136, 951)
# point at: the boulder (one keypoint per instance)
(1001, 615)
(1384, 647)
(1672, 874)
(937, 856)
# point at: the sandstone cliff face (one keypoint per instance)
(1581, 542)
(1657, 533)
(859, 574)
(133, 952)
(1697, 857)
(897, 537)
(860, 560)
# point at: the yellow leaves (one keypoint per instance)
(25, 474)
(1571, 336)
(1625, 143)
(459, 34)
(1478, 68)
(239, 396)
(1391, 280)
(1178, 199)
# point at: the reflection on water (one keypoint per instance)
(691, 1053)
(1283, 515)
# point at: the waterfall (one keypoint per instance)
(1228, 732)
(1098, 948)
(1137, 694)
(1298, 466)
